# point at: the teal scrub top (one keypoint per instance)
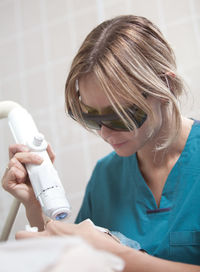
(118, 198)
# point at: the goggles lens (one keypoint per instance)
(94, 120)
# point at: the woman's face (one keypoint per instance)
(124, 143)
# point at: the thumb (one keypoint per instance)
(29, 234)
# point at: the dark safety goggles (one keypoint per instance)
(93, 120)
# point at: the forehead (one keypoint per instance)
(92, 93)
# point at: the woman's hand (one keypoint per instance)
(135, 261)
(15, 179)
(17, 183)
(85, 230)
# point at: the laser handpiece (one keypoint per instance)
(44, 177)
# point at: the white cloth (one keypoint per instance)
(56, 254)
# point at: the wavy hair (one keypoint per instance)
(129, 56)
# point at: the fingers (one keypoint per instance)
(13, 177)
(16, 149)
(21, 153)
(16, 172)
(51, 153)
(13, 149)
(52, 228)
(29, 234)
(28, 157)
(59, 228)
(14, 163)
(85, 229)
(55, 228)
(87, 223)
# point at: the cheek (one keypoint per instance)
(98, 132)
(151, 128)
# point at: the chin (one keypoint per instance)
(124, 153)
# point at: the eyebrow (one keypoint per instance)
(87, 106)
(94, 109)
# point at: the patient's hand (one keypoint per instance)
(85, 229)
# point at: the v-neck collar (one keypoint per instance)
(145, 194)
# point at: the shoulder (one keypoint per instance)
(192, 147)
(195, 131)
(106, 164)
(196, 123)
(111, 158)
(112, 167)
(111, 170)
(114, 161)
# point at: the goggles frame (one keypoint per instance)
(113, 120)
(110, 119)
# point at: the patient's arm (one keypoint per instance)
(136, 261)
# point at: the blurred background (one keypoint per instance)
(38, 40)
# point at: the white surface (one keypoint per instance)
(56, 254)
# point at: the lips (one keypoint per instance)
(118, 145)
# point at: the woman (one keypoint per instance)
(123, 84)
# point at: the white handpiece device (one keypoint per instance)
(44, 177)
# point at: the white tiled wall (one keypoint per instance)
(38, 39)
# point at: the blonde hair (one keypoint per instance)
(129, 56)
